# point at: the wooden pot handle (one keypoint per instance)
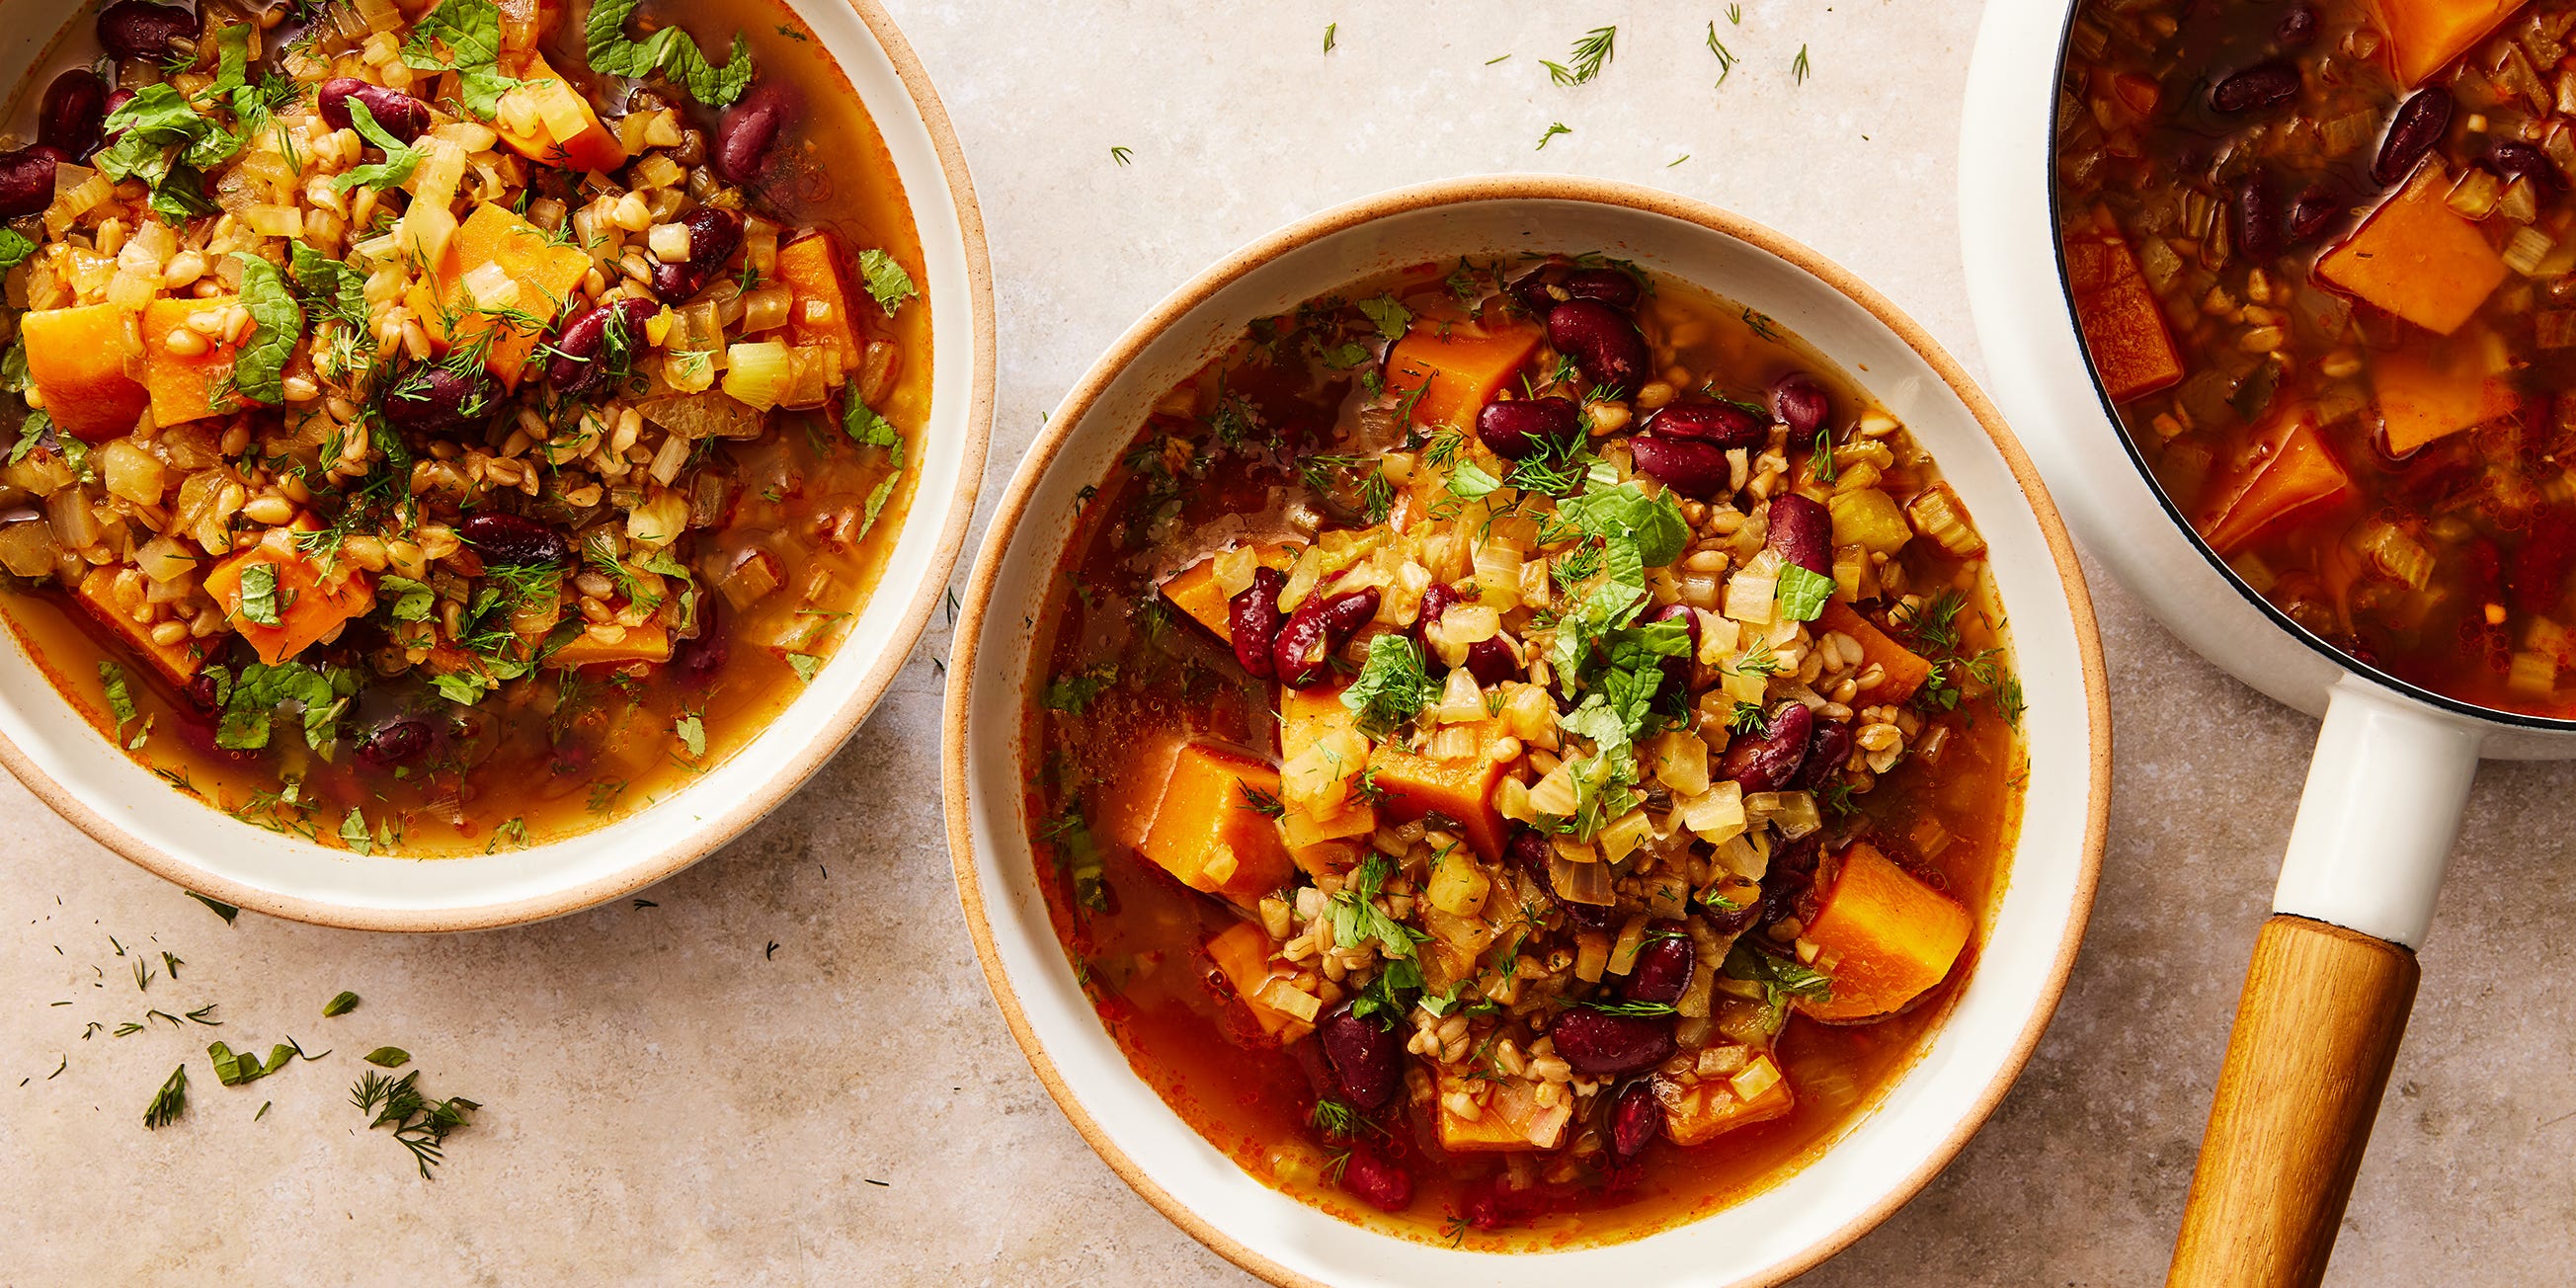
(2316, 1032)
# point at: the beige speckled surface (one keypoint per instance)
(668, 1102)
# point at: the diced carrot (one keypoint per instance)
(545, 272)
(817, 275)
(1510, 1120)
(180, 661)
(2124, 327)
(77, 359)
(184, 388)
(1208, 834)
(2421, 399)
(1905, 670)
(307, 610)
(2425, 35)
(642, 644)
(1194, 590)
(1464, 361)
(1883, 936)
(1460, 788)
(2417, 258)
(2297, 477)
(1699, 1113)
(587, 148)
(1242, 951)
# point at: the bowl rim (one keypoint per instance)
(705, 836)
(1077, 406)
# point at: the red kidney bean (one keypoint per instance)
(1727, 921)
(1252, 621)
(1719, 424)
(27, 180)
(2260, 86)
(2418, 125)
(74, 105)
(1378, 1181)
(1530, 849)
(1766, 761)
(1664, 968)
(1320, 626)
(1686, 465)
(1491, 662)
(398, 741)
(200, 692)
(2257, 218)
(2297, 28)
(1603, 1045)
(1436, 600)
(747, 129)
(713, 236)
(2311, 212)
(430, 399)
(2515, 159)
(402, 116)
(140, 29)
(573, 366)
(1518, 428)
(1604, 341)
(1368, 1061)
(1827, 748)
(1801, 403)
(503, 538)
(1802, 531)
(701, 657)
(1677, 669)
(1542, 291)
(1636, 1119)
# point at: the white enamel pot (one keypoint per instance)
(2334, 971)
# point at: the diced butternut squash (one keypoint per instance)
(1460, 788)
(2425, 35)
(1510, 1120)
(1905, 670)
(543, 273)
(305, 611)
(2425, 397)
(1125, 810)
(1207, 833)
(642, 644)
(1194, 590)
(184, 388)
(77, 358)
(180, 662)
(1317, 843)
(1464, 362)
(2298, 476)
(1699, 1113)
(1883, 936)
(565, 133)
(2417, 258)
(817, 275)
(1242, 952)
(2124, 327)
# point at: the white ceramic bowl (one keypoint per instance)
(2028, 944)
(65, 761)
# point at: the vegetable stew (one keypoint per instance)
(1524, 750)
(2323, 254)
(448, 426)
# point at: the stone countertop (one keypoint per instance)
(671, 1098)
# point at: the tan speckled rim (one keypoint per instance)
(695, 838)
(1078, 404)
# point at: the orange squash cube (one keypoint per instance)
(1905, 670)
(2425, 35)
(180, 662)
(642, 644)
(1194, 590)
(2423, 398)
(2299, 476)
(1207, 833)
(1884, 936)
(1242, 952)
(1460, 788)
(1510, 1121)
(585, 146)
(546, 275)
(184, 388)
(2417, 258)
(1465, 363)
(818, 279)
(77, 359)
(2124, 327)
(1701, 1112)
(307, 610)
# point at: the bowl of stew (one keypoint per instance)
(471, 459)
(1525, 714)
